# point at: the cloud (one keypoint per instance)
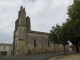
(43, 13)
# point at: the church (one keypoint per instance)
(26, 41)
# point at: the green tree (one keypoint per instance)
(58, 36)
(53, 36)
(74, 15)
(64, 36)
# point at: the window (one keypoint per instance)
(4, 47)
(34, 42)
(48, 43)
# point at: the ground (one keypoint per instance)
(45, 56)
(73, 56)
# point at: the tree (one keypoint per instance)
(74, 15)
(70, 30)
(58, 36)
(53, 36)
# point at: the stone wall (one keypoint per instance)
(21, 49)
(41, 43)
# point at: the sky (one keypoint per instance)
(43, 14)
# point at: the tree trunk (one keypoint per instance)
(77, 49)
(64, 50)
(54, 48)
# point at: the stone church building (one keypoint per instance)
(27, 41)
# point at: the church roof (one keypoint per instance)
(38, 32)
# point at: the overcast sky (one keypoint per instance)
(43, 13)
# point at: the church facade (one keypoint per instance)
(27, 41)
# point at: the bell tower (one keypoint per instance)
(23, 20)
(28, 24)
(22, 27)
(22, 16)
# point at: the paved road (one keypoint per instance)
(31, 57)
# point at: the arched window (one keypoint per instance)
(34, 42)
(48, 43)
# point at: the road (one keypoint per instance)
(45, 56)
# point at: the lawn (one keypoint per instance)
(75, 56)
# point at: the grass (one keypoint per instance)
(75, 56)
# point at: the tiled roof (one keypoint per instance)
(37, 32)
(5, 44)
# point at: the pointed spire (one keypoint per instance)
(27, 16)
(21, 8)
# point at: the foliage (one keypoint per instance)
(58, 35)
(70, 30)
